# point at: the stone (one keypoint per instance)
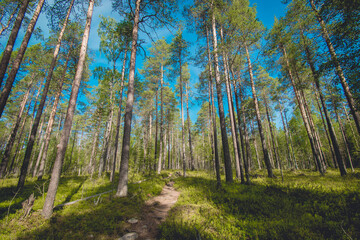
(133, 220)
(129, 236)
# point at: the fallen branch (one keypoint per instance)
(82, 199)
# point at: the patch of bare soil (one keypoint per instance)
(154, 213)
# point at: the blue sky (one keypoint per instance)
(267, 10)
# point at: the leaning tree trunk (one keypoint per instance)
(56, 172)
(11, 41)
(122, 189)
(335, 145)
(39, 111)
(303, 113)
(224, 137)
(50, 125)
(16, 64)
(258, 118)
(354, 111)
(10, 143)
(346, 141)
(212, 115)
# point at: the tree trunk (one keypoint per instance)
(91, 167)
(245, 147)
(122, 188)
(353, 109)
(224, 137)
(291, 142)
(56, 172)
(238, 165)
(271, 132)
(11, 41)
(352, 129)
(303, 113)
(161, 120)
(118, 121)
(192, 167)
(107, 139)
(213, 114)
(156, 127)
(258, 118)
(16, 64)
(346, 141)
(255, 143)
(10, 143)
(51, 119)
(292, 163)
(39, 111)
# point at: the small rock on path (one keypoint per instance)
(154, 212)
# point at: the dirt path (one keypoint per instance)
(154, 212)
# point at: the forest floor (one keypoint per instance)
(154, 212)
(305, 205)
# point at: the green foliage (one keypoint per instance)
(102, 217)
(306, 206)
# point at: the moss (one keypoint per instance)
(305, 206)
(101, 217)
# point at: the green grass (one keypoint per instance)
(97, 218)
(305, 206)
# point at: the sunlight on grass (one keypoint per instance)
(102, 217)
(305, 206)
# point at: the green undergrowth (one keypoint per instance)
(101, 217)
(305, 206)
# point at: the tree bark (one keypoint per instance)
(91, 167)
(213, 113)
(118, 120)
(11, 41)
(245, 147)
(11, 141)
(56, 172)
(258, 118)
(353, 109)
(161, 120)
(122, 188)
(238, 165)
(39, 111)
(224, 137)
(49, 127)
(16, 64)
(346, 141)
(192, 167)
(303, 113)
